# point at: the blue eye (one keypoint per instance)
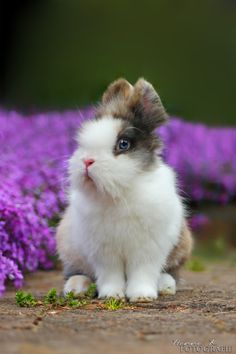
(123, 144)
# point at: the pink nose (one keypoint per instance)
(88, 162)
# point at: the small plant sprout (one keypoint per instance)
(51, 297)
(24, 299)
(114, 304)
(76, 303)
(71, 301)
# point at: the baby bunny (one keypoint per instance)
(124, 227)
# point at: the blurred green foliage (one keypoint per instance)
(214, 249)
(195, 264)
(66, 52)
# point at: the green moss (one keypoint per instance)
(51, 297)
(71, 301)
(114, 304)
(24, 299)
(76, 303)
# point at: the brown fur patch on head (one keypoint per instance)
(139, 104)
(115, 100)
(141, 110)
(120, 88)
(147, 107)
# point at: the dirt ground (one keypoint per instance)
(201, 317)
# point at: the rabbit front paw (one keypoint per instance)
(77, 284)
(110, 290)
(166, 285)
(141, 293)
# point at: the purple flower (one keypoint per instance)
(204, 159)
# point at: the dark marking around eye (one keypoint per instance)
(135, 141)
(123, 145)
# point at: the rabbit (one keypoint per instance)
(125, 225)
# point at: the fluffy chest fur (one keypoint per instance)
(146, 219)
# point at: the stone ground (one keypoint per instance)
(203, 310)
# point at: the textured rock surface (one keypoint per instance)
(203, 310)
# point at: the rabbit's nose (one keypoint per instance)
(88, 162)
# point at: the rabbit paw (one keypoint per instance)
(110, 290)
(167, 284)
(77, 284)
(141, 294)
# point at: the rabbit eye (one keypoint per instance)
(123, 144)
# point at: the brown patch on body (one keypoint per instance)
(181, 252)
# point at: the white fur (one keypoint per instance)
(167, 284)
(124, 222)
(77, 284)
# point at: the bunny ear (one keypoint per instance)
(149, 113)
(120, 88)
